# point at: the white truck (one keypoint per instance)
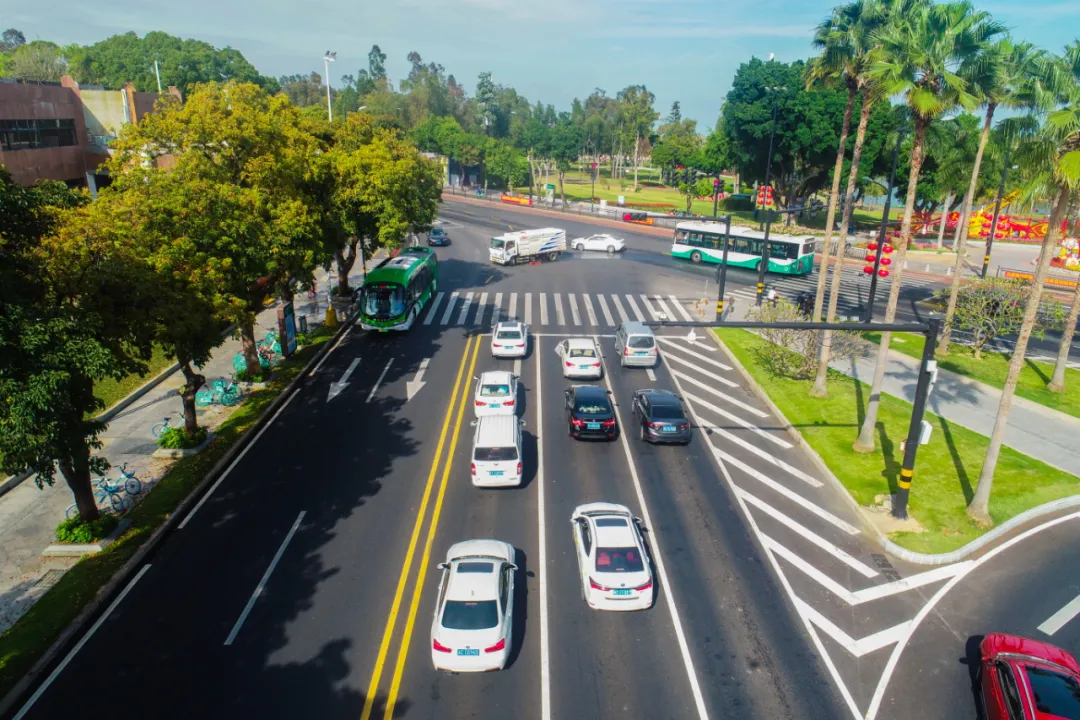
(526, 245)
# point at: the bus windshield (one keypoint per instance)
(384, 300)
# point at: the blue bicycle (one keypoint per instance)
(105, 501)
(127, 482)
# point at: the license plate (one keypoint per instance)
(617, 591)
(593, 426)
(669, 428)
(641, 353)
(495, 472)
(475, 652)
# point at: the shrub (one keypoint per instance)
(737, 204)
(179, 439)
(76, 531)
(794, 354)
(262, 376)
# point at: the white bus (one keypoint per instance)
(703, 242)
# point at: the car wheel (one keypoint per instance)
(553, 256)
(695, 257)
(611, 249)
(579, 247)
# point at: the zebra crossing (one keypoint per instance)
(573, 310)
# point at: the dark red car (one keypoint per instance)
(1024, 679)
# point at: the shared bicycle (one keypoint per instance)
(166, 423)
(221, 391)
(109, 494)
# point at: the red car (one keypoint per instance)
(1028, 680)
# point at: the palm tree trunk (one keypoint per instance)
(961, 246)
(866, 442)
(944, 218)
(830, 215)
(979, 509)
(1057, 382)
(820, 388)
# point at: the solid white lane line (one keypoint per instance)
(379, 381)
(682, 348)
(543, 310)
(679, 306)
(723, 396)
(512, 313)
(572, 297)
(651, 374)
(481, 309)
(604, 309)
(619, 309)
(545, 662)
(517, 367)
(465, 309)
(557, 300)
(860, 647)
(434, 308)
(498, 316)
(79, 645)
(649, 307)
(633, 306)
(668, 357)
(658, 557)
(266, 577)
(809, 535)
(589, 309)
(449, 308)
(1058, 620)
(236, 460)
(340, 339)
(766, 456)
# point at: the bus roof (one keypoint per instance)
(402, 266)
(717, 227)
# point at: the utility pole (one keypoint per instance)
(764, 262)
(997, 210)
(716, 198)
(157, 73)
(919, 429)
(884, 227)
(328, 58)
(722, 280)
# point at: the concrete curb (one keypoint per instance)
(123, 575)
(892, 548)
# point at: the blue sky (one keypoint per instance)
(554, 50)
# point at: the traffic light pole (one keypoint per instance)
(869, 316)
(918, 410)
(716, 196)
(764, 262)
(997, 211)
(722, 281)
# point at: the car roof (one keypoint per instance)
(611, 536)
(496, 431)
(602, 508)
(581, 343)
(588, 391)
(634, 327)
(474, 585)
(1019, 649)
(509, 325)
(496, 377)
(662, 397)
(437, 230)
(494, 548)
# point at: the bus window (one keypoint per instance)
(713, 241)
(783, 250)
(680, 237)
(742, 245)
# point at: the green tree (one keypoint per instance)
(39, 61)
(304, 90)
(566, 139)
(636, 116)
(921, 52)
(11, 39)
(697, 187)
(508, 164)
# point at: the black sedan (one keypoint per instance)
(662, 417)
(438, 236)
(589, 413)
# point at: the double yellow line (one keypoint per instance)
(461, 385)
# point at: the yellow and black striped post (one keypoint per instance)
(922, 391)
(721, 281)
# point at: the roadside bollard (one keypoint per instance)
(331, 316)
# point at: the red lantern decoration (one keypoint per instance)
(871, 246)
(868, 270)
(887, 248)
(885, 261)
(883, 272)
(870, 259)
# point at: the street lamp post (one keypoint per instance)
(884, 226)
(764, 262)
(722, 280)
(997, 210)
(592, 193)
(328, 58)
(716, 197)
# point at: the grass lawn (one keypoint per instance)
(111, 392)
(35, 631)
(992, 369)
(946, 470)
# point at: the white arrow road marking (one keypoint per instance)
(379, 381)
(1056, 621)
(860, 647)
(337, 387)
(413, 386)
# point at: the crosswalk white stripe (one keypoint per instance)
(668, 357)
(681, 346)
(481, 309)
(633, 306)
(572, 297)
(738, 420)
(723, 396)
(680, 308)
(543, 310)
(589, 309)
(497, 316)
(663, 308)
(434, 307)
(465, 309)
(557, 299)
(512, 314)
(649, 307)
(604, 309)
(449, 308)
(619, 308)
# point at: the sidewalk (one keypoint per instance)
(1033, 429)
(29, 516)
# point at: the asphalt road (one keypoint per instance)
(342, 508)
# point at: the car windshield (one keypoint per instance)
(437, 231)
(667, 412)
(497, 244)
(640, 342)
(582, 352)
(495, 454)
(619, 560)
(383, 300)
(470, 615)
(509, 335)
(1055, 693)
(592, 407)
(494, 390)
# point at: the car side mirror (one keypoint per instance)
(475, 377)
(512, 566)
(522, 421)
(443, 566)
(472, 423)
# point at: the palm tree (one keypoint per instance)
(919, 55)
(1002, 75)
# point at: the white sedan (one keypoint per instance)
(496, 393)
(510, 339)
(612, 562)
(580, 358)
(602, 242)
(472, 630)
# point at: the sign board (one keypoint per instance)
(622, 199)
(603, 204)
(1051, 280)
(550, 186)
(287, 329)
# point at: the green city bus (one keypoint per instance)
(703, 242)
(396, 291)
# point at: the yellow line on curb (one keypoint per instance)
(391, 621)
(418, 588)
